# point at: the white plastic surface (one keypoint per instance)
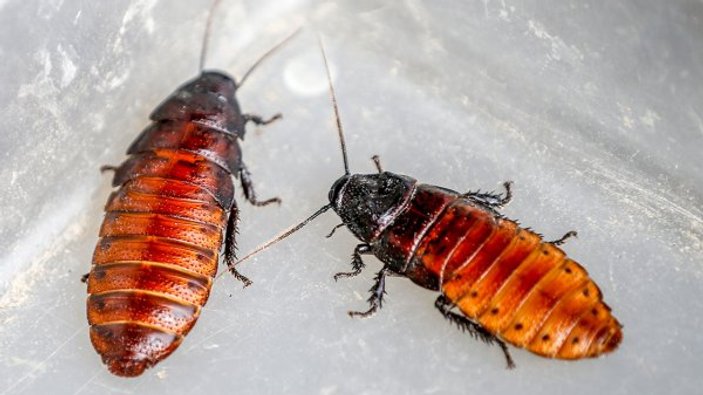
(593, 109)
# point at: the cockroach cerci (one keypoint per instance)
(508, 284)
(154, 264)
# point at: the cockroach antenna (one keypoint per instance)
(206, 41)
(267, 54)
(206, 36)
(340, 130)
(282, 235)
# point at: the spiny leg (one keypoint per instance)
(493, 200)
(475, 330)
(377, 161)
(335, 229)
(563, 239)
(259, 120)
(244, 174)
(231, 245)
(357, 262)
(248, 188)
(376, 299)
(508, 197)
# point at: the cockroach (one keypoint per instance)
(157, 256)
(508, 283)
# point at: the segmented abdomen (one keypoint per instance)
(506, 278)
(158, 250)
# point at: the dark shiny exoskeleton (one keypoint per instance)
(508, 283)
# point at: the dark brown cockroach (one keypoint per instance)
(509, 285)
(154, 264)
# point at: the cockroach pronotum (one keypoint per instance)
(154, 264)
(509, 285)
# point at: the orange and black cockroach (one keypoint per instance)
(507, 283)
(157, 256)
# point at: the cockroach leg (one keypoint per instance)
(464, 324)
(106, 168)
(376, 299)
(508, 197)
(563, 239)
(508, 358)
(492, 200)
(357, 262)
(84, 278)
(231, 245)
(377, 161)
(335, 229)
(475, 330)
(259, 120)
(248, 188)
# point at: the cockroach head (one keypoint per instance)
(207, 99)
(209, 83)
(215, 82)
(367, 203)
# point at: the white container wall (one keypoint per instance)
(593, 109)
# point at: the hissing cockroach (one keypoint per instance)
(154, 264)
(508, 284)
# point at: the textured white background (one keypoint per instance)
(594, 109)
